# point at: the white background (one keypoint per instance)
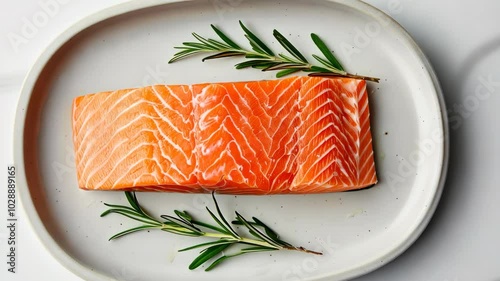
(461, 40)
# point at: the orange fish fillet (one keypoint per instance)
(294, 135)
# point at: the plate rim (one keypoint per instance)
(122, 8)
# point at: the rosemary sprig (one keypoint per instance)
(264, 238)
(262, 57)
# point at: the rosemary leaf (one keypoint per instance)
(131, 230)
(255, 231)
(326, 52)
(186, 48)
(220, 260)
(281, 66)
(198, 46)
(213, 243)
(253, 63)
(205, 42)
(181, 223)
(186, 51)
(270, 232)
(265, 66)
(257, 249)
(206, 255)
(117, 207)
(328, 65)
(183, 232)
(254, 40)
(256, 56)
(255, 46)
(130, 215)
(209, 226)
(225, 38)
(132, 200)
(219, 44)
(173, 220)
(184, 215)
(285, 72)
(286, 58)
(223, 55)
(320, 69)
(323, 61)
(221, 216)
(288, 46)
(217, 220)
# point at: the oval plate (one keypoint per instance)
(129, 46)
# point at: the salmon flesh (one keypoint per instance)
(293, 135)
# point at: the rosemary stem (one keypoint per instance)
(348, 75)
(259, 243)
(302, 249)
(240, 240)
(278, 59)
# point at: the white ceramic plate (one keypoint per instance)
(129, 46)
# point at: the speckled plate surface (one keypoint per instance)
(129, 46)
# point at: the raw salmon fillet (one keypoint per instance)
(294, 135)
